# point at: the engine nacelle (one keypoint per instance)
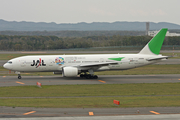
(70, 72)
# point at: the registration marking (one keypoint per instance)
(91, 113)
(101, 81)
(154, 112)
(19, 82)
(29, 113)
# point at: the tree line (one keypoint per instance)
(32, 43)
(72, 33)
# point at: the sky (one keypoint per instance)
(75, 11)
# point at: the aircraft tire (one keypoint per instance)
(88, 76)
(19, 77)
(82, 76)
(95, 77)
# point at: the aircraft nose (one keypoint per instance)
(7, 66)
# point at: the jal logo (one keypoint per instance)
(38, 63)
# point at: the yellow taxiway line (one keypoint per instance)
(29, 113)
(154, 112)
(19, 82)
(91, 113)
(101, 81)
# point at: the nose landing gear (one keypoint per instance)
(19, 76)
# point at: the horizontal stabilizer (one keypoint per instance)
(159, 58)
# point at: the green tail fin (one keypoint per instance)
(156, 43)
(154, 46)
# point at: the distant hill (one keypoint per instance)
(95, 26)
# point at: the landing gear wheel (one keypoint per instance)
(88, 76)
(95, 77)
(19, 76)
(82, 75)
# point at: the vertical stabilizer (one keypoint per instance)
(155, 44)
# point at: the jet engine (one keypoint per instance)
(70, 71)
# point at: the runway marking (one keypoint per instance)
(29, 113)
(91, 113)
(19, 82)
(4, 76)
(154, 112)
(101, 81)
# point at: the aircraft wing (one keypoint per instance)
(100, 64)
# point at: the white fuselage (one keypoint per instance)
(55, 63)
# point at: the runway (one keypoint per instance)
(103, 79)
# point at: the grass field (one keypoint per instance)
(107, 102)
(92, 90)
(131, 95)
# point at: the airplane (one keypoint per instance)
(74, 65)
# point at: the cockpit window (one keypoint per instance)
(10, 62)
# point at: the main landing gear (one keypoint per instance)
(89, 76)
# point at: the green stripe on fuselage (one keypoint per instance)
(117, 59)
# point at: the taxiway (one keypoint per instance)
(91, 113)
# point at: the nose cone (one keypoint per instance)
(7, 66)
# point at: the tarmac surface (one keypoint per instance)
(91, 113)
